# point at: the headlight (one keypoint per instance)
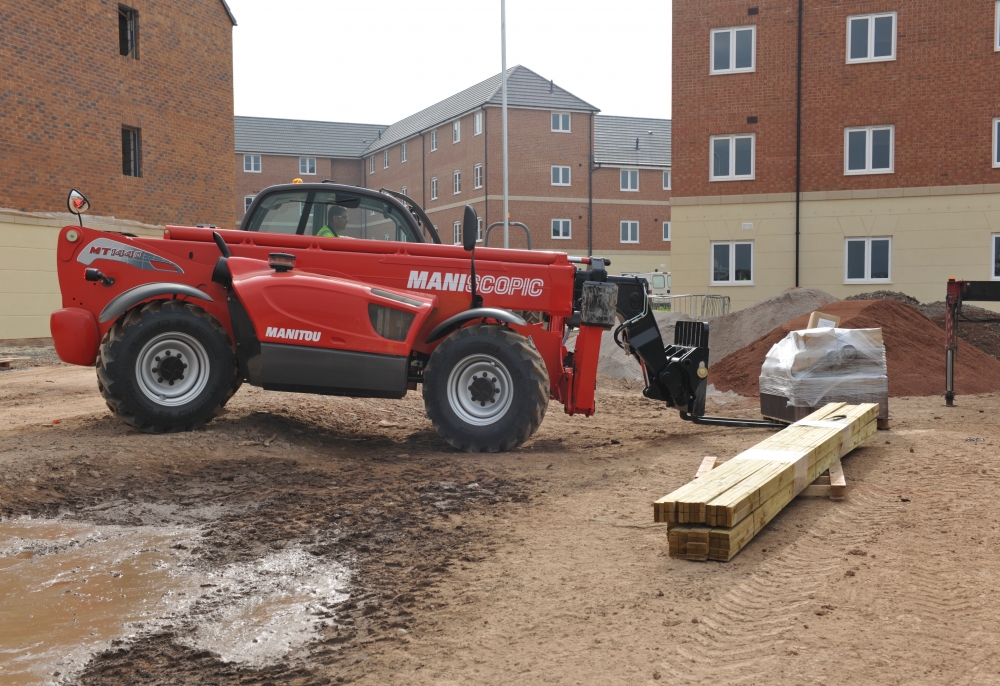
(390, 323)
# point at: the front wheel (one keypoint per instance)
(166, 366)
(486, 389)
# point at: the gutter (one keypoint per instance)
(798, 149)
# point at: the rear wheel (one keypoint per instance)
(486, 389)
(167, 366)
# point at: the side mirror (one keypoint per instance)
(470, 229)
(77, 203)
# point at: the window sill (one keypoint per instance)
(866, 282)
(560, 131)
(562, 185)
(250, 172)
(731, 283)
(727, 72)
(869, 173)
(869, 60)
(713, 179)
(627, 190)
(628, 242)
(562, 238)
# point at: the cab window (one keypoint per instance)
(331, 214)
(659, 281)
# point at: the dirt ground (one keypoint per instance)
(537, 566)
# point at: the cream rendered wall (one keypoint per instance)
(936, 233)
(29, 285)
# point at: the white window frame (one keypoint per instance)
(385, 159)
(403, 190)
(477, 123)
(994, 257)
(732, 157)
(371, 164)
(868, 150)
(402, 153)
(479, 229)
(871, 37)
(569, 175)
(868, 259)
(254, 161)
(732, 50)
(457, 233)
(247, 200)
(666, 180)
(630, 222)
(996, 139)
(434, 188)
(434, 140)
(629, 171)
(477, 176)
(304, 162)
(560, 237)
(456, 132)
(569, 122)
(666, 232)
(456, 182)
(732, 263)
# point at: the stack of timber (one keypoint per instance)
(717, 514)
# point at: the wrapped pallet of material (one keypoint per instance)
(808, 369)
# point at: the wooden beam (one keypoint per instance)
(5, 362)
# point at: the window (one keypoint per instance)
(733, 50)
(479, 229)
(666, 181)
(732, 263)
(131, 152)
(560, 121)
(562, 228)
(630, 180)
(996, 142)
(385, 159)
(560, 176)
(477, 124)
(340, 213)
(456, 182)
(307, 165)
(127, 32)
(456, 131)
(434, 140)
(868, 150)
(371, 165)
(868, 260)
(732, 158)
(457, 232)
(996, 257)
(402, 152)
(403, 190)
(630, 232)
(477, 176)
(871, 37)
(251, 163)
(666, 231)
(434, 188)
(247, 201)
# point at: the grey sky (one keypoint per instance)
(377, 62)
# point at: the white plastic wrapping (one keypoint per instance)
(818, 366)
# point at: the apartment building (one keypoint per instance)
(131, 103)
(871, 164)
(582, 182)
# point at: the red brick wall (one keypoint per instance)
(941, 94)
(65, 93)
(276, 169)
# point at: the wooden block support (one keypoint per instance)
(707, 465)
(6, 362)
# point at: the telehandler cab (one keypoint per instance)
(339, 290)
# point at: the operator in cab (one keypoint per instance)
(336, 222)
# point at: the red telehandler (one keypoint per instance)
(339, 290)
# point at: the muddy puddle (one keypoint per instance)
(69, 590)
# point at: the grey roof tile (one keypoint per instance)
(615, 141)
(299, 137)
(525, 88)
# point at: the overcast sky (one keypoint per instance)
(379, 61)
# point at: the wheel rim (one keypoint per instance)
(172, 369)
(480, 390)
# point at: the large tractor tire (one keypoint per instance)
(167, 366)
(486, 389)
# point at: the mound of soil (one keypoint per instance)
(914, 352)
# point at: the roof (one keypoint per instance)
(301, 137)
(615, 141)
(229, 12)
(525, 88)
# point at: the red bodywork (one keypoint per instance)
(328, 292)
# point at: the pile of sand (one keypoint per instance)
(727, 334)
(914, 352)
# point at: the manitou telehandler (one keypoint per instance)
(340, 290)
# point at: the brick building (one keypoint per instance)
(131, 103)
(582, 182)
(898, 175)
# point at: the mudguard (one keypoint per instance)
(124, 302)
(455, 321)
